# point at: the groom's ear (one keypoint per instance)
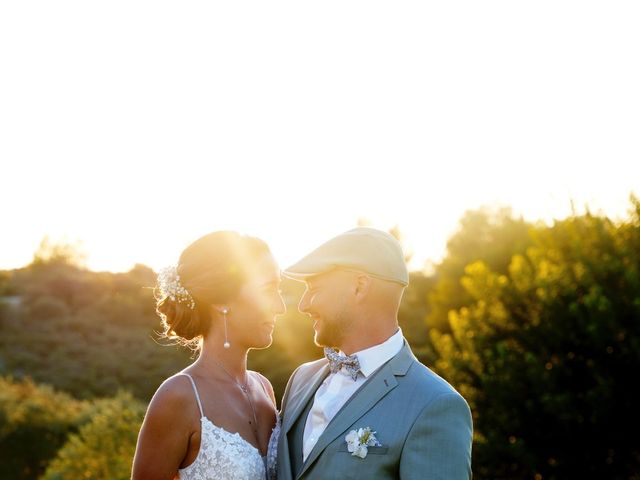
(362, 286)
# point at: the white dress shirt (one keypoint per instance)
(338, 387)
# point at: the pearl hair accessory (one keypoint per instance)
(170, 286)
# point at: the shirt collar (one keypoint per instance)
(374, 357)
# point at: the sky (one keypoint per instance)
(135, 127)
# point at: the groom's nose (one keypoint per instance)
(305, 303)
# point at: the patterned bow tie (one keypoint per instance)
(337, 361)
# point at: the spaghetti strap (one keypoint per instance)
(195, 390)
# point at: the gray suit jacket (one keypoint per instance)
(423, 424)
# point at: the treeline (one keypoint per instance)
(84, 332)
(537, 325)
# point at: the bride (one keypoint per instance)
(215, 419)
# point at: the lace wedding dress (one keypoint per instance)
(227, 455)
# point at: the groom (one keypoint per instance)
(369, 410)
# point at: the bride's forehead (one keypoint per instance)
(264, 276)
(264, 266)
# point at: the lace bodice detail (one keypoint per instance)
(272, 451)
(224, 455)
(227, 455)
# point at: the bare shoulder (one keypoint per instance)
(175, 389)
(174, 395)
(171, 419)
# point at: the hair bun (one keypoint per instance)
(180, 322)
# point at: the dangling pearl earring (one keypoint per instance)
(226, 340)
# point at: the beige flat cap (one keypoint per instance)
(364, 249)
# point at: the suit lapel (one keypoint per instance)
(374, 389)
(302, 397)
(297, 399)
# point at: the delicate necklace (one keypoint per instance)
(245, 389)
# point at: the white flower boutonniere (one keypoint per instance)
(359, 440)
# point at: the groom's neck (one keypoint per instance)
(367, 337)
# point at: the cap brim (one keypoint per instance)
(308, 266)
(301, 277)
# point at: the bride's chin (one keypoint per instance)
(265, 343)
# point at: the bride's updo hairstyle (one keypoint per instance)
(210, 271)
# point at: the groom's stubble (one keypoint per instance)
(335, 328)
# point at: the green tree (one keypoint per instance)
(103, 448)
(61, 253)
(34, 423)
(547, 351)
(489, 235)
(6, 284)
(414, 309)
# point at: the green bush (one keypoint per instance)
(546, 354)
(35, 421)
(47, 307)
(103, 449)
